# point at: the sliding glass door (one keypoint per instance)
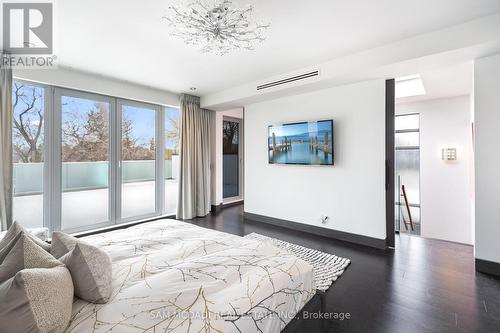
(83, 160)
(138, 164)
(85, 169)
(171, 156)
(29, 103)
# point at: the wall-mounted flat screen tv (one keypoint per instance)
(306, 143)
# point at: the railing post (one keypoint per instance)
(325, 144)
(274, 143)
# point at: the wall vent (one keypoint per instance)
(288, 80)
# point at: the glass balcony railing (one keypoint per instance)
(79, 176)
(85, 185)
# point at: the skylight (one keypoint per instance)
(408, 86)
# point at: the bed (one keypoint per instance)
(171, 276)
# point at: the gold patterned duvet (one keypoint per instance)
(171, 276)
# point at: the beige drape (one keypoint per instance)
(5, 147)
(194, 171)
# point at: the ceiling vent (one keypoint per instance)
(288, 80)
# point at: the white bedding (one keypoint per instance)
(171, 276)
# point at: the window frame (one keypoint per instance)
(159, 155)
(47, 104)
(57, 156)
(52, 157)
(163, 138)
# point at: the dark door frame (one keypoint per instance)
(390, 106)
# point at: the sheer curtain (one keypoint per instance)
(5, 146)
(196, 137)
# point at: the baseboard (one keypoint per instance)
(219, 207)
(488, 267)
(315, 230)
(216, 208)
(233, 203)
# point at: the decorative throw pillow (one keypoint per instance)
(14, 230)
(6, 249)
(25, 253)
(91, 270)
(37, 300)
(41, 233)
(62, 243)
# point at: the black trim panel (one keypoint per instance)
(217, 208)
(488, 267)
(390, 111)
(315, 230)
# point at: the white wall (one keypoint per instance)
(352, 192)
(445, 187)
(487, 157)
(235, 113)
(68, 78)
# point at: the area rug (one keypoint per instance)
(327, 267)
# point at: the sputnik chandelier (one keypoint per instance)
(218, 28)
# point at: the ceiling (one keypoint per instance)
(128, 40)
(445, 82)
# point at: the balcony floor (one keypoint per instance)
(84, 208)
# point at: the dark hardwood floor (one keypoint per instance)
(423, 285)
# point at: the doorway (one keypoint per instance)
(107, 158)
(407, 173)
(232, 164)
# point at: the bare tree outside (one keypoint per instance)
(230, 131)
(172, 128)
(28, 121)
(132, 148)
(86, 134)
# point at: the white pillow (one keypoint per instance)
(41, 233)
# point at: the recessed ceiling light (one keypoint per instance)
(408, 86)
